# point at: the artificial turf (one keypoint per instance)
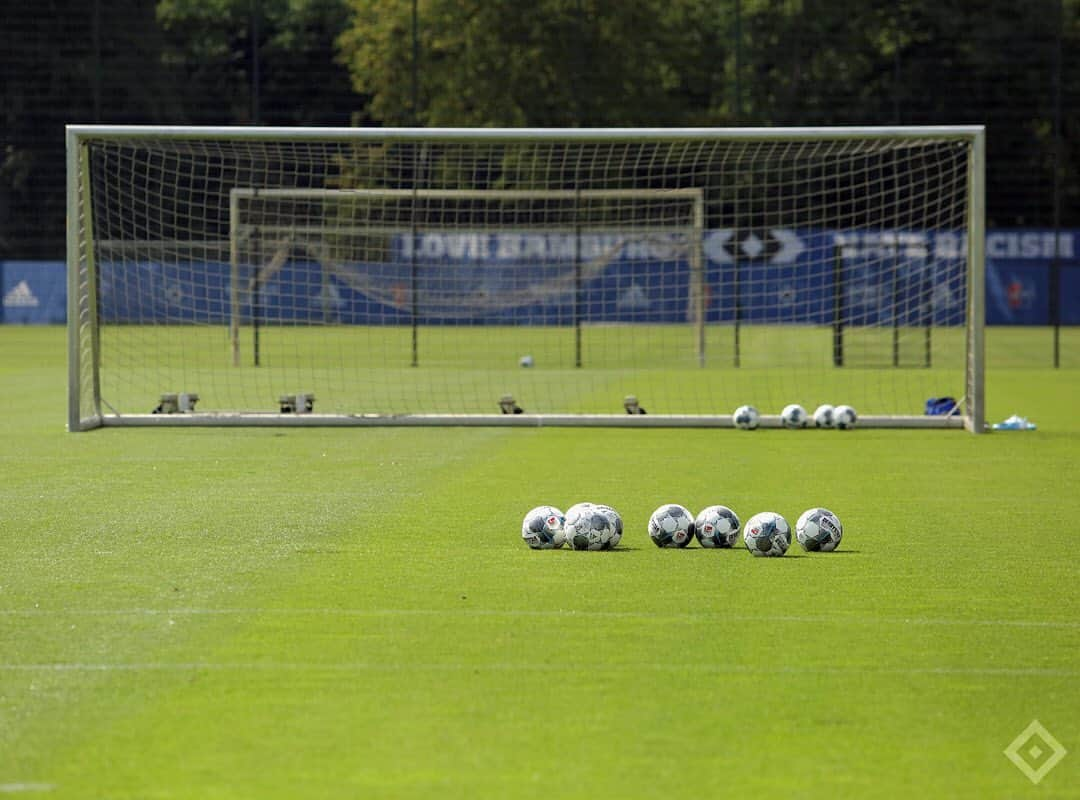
(254, 613)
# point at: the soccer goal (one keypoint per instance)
(276, 276)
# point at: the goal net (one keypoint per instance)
(367, 276)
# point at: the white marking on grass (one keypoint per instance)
(355, 666)
(15, 788)
(709, 617)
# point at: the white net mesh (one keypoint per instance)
(397, 276)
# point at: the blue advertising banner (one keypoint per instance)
(33, 292)
(1017, 292)
(768, 276)
(1070, 294)
(1018, 276)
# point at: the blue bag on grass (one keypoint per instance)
(940, 406)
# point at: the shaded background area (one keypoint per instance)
(544, 63)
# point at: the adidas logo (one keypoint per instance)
(20, 296)
(634, 297)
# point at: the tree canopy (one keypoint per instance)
(542, 63)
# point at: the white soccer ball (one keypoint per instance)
(543, 528)
(746, 418)
(716, 526)
(767, 534)
(824, 416)
(793, 416)
(578, 507)
(589, 528)
(844, 417)
(819, 529)
(671, 525)
(616, 522)
(525, 361)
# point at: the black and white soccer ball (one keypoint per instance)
(716, 526)
(543, 528)
(746, 418)
(671, 525)
(588, 527)
(844, 417)
(824, 416)
(793, 416)
(616, 522)
(767, 534)
(819, 529)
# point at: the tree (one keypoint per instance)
(543, 63)
(211, 47)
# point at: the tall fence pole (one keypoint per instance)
(256, 65)
(1054, 287)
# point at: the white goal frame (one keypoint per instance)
(87, 409)
(695, 311)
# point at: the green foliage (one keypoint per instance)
(554, 63)
(211, 43)
(506, 63)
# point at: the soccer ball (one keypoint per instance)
(844, 417)
(716, 526)
(578, 507)
(616, 522)
(589, 528)
(819, 529)
(793, 416)
(824, 416)
(746, 418)
(525, 361)
(671, 526)
(767, 534)
(542, 528)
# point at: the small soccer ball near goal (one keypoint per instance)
(819, 529)
(824, 416)
(767, 534)
(793, 416)
(588, 527)
(716, 526)
(671, 525)
(746, 418)
(844, 417)
(543, 528)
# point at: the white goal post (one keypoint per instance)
(610, 277)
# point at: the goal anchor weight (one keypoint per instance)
(296, 403)
(172, 403)
(508, 405)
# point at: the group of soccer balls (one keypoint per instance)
(794, 416)
(592, 526)
(584, 526)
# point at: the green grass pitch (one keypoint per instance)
(351, 613)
